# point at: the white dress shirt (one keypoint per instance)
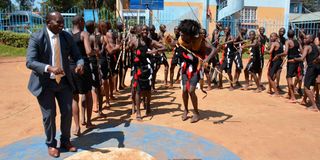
(52, 38)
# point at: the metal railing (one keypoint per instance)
(270, 25)
(25, 21)
(15, 20)
(309, 27)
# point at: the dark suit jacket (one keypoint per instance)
(39, 54)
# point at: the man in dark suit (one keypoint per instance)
(47, 57)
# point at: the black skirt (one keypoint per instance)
(292, 69)
(83, 83)
(105, 68)
(275, 66)
(95, 71)
(254, 66)
(311, 75)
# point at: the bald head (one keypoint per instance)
(55, 22)
(52, 15)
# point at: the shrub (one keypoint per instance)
(19, 40)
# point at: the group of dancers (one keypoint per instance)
(298, 53)
(110, 51)
(88, 66)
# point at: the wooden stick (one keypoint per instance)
(189, 51)
(227, 78)
(202, 60)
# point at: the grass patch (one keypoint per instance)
(247, 56)
(169, 54)
(8, 51)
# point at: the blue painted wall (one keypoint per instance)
(204, 3)
(171, 16)
(89, 14)
(232, 7)
(139, 4)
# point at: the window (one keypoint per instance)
(295, 8)
(222, 4)
(248, 15)
(133, 20)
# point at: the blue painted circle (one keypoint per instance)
(159, 142)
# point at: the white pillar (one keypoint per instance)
(138, 17)
(121, 7)
(286, 14)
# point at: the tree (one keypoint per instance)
(61, 5)
(36, 9)
(4, 4)
(25, 4)
(311, 5)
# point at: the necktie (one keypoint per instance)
(57, 57)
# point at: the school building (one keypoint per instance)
(271, 14)
(301, 17)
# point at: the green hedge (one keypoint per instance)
(19, 40)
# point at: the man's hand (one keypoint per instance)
(79, 69)
(55, 70)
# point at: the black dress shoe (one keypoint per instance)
(69, 147)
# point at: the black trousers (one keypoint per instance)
(63, 93)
